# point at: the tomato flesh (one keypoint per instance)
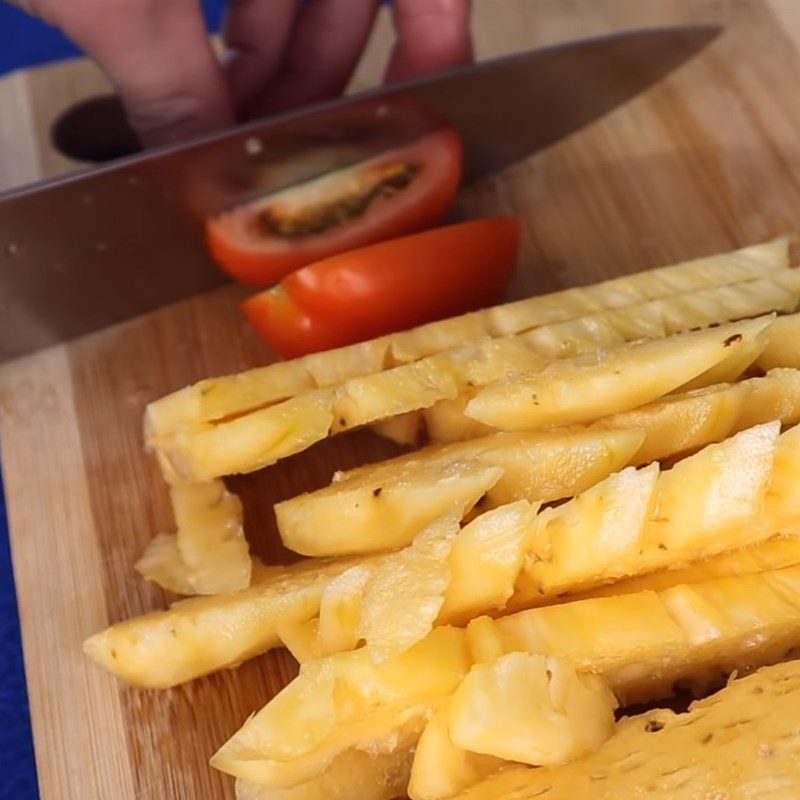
(388, 287)
(392, 194)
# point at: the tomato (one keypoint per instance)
(388, 287)
(392, 194)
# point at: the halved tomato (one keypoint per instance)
(392, 194)
(387, 287)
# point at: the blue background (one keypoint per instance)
(24, 42)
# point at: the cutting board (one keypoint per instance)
(706, 161)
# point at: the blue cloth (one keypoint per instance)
(25, 41)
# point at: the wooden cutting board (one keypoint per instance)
(707, 160)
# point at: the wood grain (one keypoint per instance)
(707, 160)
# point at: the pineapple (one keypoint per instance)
(691, 276)
(205, 634)
(485, 560)
(641, 520)
(666, 316)
(446, 421)
(340, 610)
(219, 398)
(210, 555)
(531, 709)
(739, 744)
(642, 644)
(776, 553)
(360, 774)
(342, 703)
(581, 389)
(384, 511)
(384, 505)
(592, 386)
(690, 635)
(163, 564)
(782, 349)
(403, 596)
(684, 422)
(250, 442)
(440, 769)
(725, 497)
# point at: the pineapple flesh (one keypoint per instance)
(385, 505)
(531, 709)
(642, 644)
(742, 743)
(539, 393)
(219, 398)
(725, 497)
(402, 597)
(592, 386)
(642, 520)
(445, 421)
(684, 422)
(441, 769)
(209, 554)
(205, 634)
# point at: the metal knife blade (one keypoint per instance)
(84, 251)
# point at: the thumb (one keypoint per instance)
(158, 56)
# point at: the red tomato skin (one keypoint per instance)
(286, 327)
(413, 279)
(264, 261)
(388, 287)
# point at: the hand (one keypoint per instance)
(283, 53)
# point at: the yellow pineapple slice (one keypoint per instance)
(723, 624)
(485, 560)
(776, 553)
(340, 610)
(220, 398)
(205, 634)
(163, 564)
(597, 533)
(531, 709)
(731, 368)
(782, 349)
(384, 505)
(739, 744)
(211, 555)
(362, 774)
(595, 385)
(716, 492)
(384, 510)
(342, 703)
(301, 638)
(440, 769)
(403, 596)
(446, 421)
(665, 316)
(574, 390)
(641, 520)
(782, 503)
(683, 422)
(691, 276)
(249, 442)
(642, 644)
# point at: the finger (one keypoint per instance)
(327, 41)
(256, 33)
(432, 35)
(158, 56)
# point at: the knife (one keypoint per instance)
(90, 249)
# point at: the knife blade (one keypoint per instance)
(90, 249)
